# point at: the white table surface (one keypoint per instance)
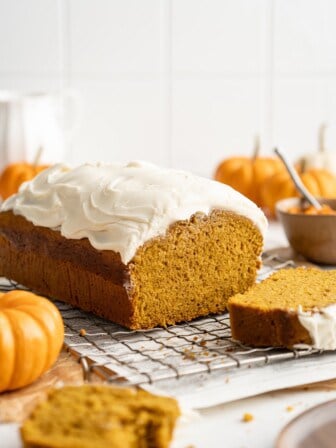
(222, 426)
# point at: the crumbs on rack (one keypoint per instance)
(188, 354)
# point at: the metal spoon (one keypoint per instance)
(297, 181)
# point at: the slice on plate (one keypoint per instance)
(291, 307)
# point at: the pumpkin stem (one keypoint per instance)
(302, 165)
(256, 147)
(37, 157)
(321, 137)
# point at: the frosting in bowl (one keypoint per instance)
(120, 207)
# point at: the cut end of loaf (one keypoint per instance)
(194, 269)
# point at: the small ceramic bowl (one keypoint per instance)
(313, 236)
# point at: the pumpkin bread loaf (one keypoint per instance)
(97, 416)
(291, 307)
(140, 246)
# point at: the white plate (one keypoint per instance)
(314, 428)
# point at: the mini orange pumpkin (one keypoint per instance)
(248, 174)
(17, 173)
(321, 183)
(31, 337)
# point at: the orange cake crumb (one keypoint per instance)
(188, 354)
(247, 417)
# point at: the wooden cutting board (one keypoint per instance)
(16, 405)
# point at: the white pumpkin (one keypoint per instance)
(321, 159)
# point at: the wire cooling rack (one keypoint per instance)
(149, 356)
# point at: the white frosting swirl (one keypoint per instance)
(119, 207)
(321, 326)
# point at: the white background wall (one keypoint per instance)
(182, 83)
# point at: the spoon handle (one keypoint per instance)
(297, 181)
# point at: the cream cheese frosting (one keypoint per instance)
(120, 207)
(321, 326)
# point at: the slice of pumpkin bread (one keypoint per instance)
(97, 416)
(291, 307)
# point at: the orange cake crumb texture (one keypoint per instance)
(289, 288)
(101, 417)
(266, 315)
